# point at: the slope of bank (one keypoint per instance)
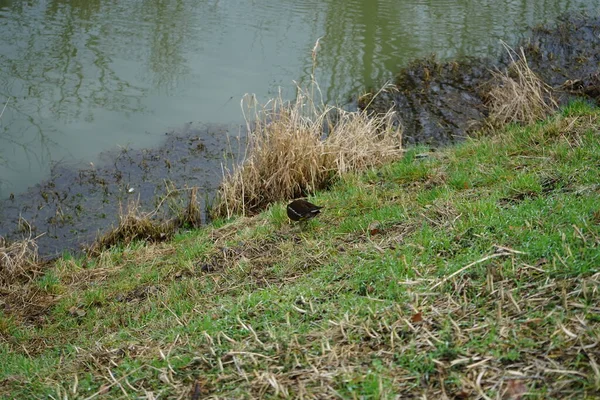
(470, 272)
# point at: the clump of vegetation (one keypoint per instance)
(518, 95)
(191, 215)
(296, 148)
(134, 225)
(18, 261)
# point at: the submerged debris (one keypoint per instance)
(69, 210)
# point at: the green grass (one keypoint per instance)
(484, 272)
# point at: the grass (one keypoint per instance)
(481, 280)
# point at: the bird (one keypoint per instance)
(302, 210)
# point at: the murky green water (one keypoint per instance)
(82, 76)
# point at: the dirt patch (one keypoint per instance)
(28, 304)
(437, 102)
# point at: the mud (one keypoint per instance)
(437, 103)
(567, 56)
(440, 103)
(68, 211)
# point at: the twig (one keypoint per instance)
(105, 388)
(468, 266)
(175, 315)
(4, 108)
(508, 249)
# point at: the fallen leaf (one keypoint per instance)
(418, 317)
(515, 389)
(76, 312)
(374, 228)
(197, 390)
(462, 395)
(104, 389)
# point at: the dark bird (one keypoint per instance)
(302, 210)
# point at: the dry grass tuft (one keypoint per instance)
(20, 267)
(191, 215)
(18, 261)
(134, 225)
(289, 153)
(518, 95)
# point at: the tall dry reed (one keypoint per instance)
(518, 95)
(295, 148)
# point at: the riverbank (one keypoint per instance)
(466, 272)
(435, 103)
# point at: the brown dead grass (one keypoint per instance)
(145, 226)
(518, 95)
(289, 154)
(133, 225)
(315, 364)
(20, 297)
(18, 261)
(191, 215)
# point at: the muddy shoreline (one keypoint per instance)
(69, 210)
(438, 103)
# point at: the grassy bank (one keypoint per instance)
(471, 272)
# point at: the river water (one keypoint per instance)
(79, 77)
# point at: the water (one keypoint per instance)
(81, 77)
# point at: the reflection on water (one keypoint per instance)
(81, 76)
